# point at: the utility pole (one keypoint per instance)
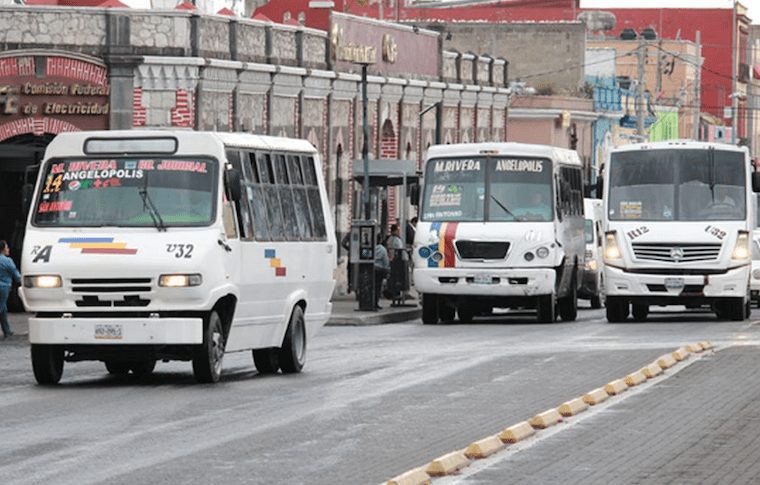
(734, 99)
(640, 109)
(697, 89)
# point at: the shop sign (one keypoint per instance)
(348, 51)
(56, 91)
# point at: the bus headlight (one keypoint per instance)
(42, 281)
(741, 249)
(611, 249)
(542, 252)
(180, 280)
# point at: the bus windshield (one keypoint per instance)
(480, 189)
(128, 192)
(677, 185)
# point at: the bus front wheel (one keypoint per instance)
(545, 309)
(568, 305)
(47, 363)
(207, 361)
(617, 309)
(429, 309)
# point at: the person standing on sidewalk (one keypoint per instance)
(8, 274)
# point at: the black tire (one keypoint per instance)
(545, 309)
(47, 363)
(293, 350)
(117, 368)
(142, 368)
(429, 309)
(466, 313)
(640, 312)
(596, 301)
(617, 309)
(568, 305)
(446, 312)
(267, 361)
(208, 357)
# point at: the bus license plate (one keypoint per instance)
(108, 331)
(483, 279)
(674, 283)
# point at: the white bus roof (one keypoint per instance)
(689, 144)
(72, 143)
(564, 155)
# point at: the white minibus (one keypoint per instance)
(501, 225)
(678, 223)
(176, 245)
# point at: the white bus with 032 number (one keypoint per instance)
(158, 245)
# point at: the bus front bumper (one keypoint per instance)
(111, 331)
(732, 283)
(485, 282)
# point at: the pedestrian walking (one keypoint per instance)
(8, 274)
(382, 267)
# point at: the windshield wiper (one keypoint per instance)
(504, 207)
(148, 204)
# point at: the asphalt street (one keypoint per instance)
(376, 401)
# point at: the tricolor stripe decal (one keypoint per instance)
(97, 245)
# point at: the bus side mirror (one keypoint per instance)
(599, 187)
(755, 181)
(27, 191)
(414, 194)
(234, 185)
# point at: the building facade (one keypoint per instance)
(66, 69)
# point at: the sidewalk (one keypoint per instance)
(19, 326)
(344, 312)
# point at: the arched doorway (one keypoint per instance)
(19, 156)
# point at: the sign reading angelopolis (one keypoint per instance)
(52, 92)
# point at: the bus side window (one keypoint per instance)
(257, 199)
(285, 193)
(243, 212)
(274, 209)
(300, 198)
(315, 200)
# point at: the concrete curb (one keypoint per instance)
(453, 462)
(359, 319)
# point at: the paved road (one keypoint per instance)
(373, 402)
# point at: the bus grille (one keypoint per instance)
(482, 249)
(111, 285)
(676, 253)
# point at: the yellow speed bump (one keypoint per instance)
(545, 419)
(681, 353)
(635, 379)
(705, 345)
(616, 387)
(666, 361)
(418, 476)
(571, 408)
(596, 396)
(517, 432)
(694, 348)
(485, 447)
(447, 464)
(652, 370)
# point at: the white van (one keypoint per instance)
(501, 225)
(159, 245)
(678, 221)
(593, 276)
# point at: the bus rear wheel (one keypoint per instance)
(47, 363)
(466, 313)
(207, 361)
(568, 305)
(293, 350)
(142, 368)
(429, 309)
